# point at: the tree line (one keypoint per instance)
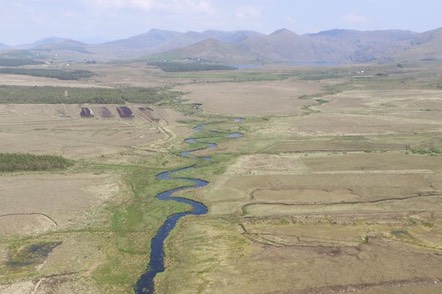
(192, 66)
(10, 162)
(68, 95)
(49, 73)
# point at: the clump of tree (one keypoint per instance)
(65, 95)
(5, 61)
(189, 66)
(10, 162)
(49, 73)
(429, 151)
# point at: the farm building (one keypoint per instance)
(125, 111)
(86, 112)
(105, 112)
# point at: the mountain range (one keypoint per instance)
(246, 47)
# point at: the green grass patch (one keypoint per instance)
(30, 255)
(134, 221)
(324, 75)
(321, 101)
(11, 162)
(429, 151)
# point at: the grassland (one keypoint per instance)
(10, 162)
(334, 187)
(326, 196)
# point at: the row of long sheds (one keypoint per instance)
(103, 111)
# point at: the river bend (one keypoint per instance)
(145, 283)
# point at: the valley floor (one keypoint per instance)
(334, 187)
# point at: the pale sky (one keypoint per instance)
(26, 21)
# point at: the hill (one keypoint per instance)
(55, 43)
(425, 46)
(212, 51)
(371, 46)
(334, 46)
(286, 46)
(242, 46)
(156, 41)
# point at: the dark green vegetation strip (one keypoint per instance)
(49, 73)
(10, 162)
(325, 75)
(4, 61)
(231, 76)
(181, 66)
(430, 151)
(65, 95)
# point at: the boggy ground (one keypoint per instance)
(342, 195)
(366, 224)
(58, 229)
(335, 186)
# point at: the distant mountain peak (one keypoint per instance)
(49, 40)
(156, 30)
(56, 40)
(245, 46)
(332, 32)
(283, 31)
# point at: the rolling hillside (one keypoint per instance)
(213, 51)
(281, 46)
(425, 46)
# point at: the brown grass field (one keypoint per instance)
(335, 187)
(328, 199)
(59, 129)
(62, 206)
(252, 98)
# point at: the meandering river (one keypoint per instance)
(145, 283)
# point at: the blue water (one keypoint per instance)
(199, 127)
(234, 135)
(145, 283)
(188, 153)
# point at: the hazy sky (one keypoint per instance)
(25, 21)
